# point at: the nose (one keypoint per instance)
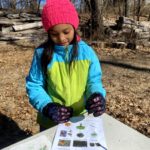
(61, 38)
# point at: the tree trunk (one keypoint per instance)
(138, 9)
(38, 9)
(134, 9)
(33, 5)
(12, 4)
(148, 17)
(0, 4)
(127, 8)
(88, 6)
(97, 19)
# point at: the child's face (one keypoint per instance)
(62, 34)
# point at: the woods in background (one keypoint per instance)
(96, 9)
(20, 5)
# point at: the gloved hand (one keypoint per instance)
(58, 113)
(96, 104)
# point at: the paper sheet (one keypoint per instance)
(86, 134)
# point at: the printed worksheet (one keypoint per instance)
(86, 134)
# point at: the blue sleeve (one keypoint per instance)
(35, 84)
(94, 82)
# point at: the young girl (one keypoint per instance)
(65, 74)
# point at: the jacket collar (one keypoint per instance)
(62, 49)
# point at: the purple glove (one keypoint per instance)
(96, 104)
(58, 113)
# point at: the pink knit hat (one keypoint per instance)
(57, 12)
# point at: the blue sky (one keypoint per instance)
(76, 2)
(43, 2)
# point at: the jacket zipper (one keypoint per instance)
(67, 68)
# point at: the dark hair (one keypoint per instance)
(49, 49)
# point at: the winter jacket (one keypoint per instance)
(69, 88)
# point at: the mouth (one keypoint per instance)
(65, 43)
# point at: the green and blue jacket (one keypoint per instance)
(67, 87)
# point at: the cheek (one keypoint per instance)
(71, 35)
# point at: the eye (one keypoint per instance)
(66, 32)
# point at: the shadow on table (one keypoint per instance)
(76, 119)
(10, 132)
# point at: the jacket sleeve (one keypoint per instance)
(35, 84)
(94, 81)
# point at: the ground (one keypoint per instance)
(126, 77)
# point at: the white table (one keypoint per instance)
(118, 136)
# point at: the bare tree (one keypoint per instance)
(1, 4)
(127, 8)
(19, 6)
(88, 6)
(38, 9)
(13, 4)
(138, 9)
(97, 19)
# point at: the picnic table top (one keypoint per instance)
(118, 136)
